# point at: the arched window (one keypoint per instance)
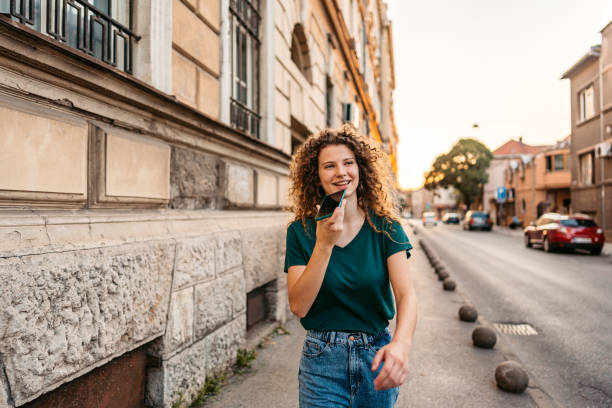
(300, 54)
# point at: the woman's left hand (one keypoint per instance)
(395, 367)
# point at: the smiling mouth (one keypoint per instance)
(343, 183)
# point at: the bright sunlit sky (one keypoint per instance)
(492, 62)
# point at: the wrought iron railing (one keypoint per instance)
(244, 118)
(246, 12)
(81, 25)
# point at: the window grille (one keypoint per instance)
(100, 28)
(244, 104)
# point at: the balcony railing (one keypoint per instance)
(81, 25)
(246, 12)
(244, 118)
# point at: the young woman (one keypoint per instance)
(341, 271)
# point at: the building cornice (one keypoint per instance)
(592, 55)
(350, 58)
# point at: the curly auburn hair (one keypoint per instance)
(374, 191)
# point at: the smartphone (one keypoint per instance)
(329, 204)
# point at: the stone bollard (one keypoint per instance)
(443, 275)
(484, 337)
(468, 313)
(511, 377)
(449, 284)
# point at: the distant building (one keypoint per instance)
(440, 201)
(591, 137)
(511, 151)
(537, 183)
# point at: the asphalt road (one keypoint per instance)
(566, 297)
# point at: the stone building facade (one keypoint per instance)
(144, 163)
(591, 136)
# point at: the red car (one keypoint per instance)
(555, 231)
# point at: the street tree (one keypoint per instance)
(464, 167)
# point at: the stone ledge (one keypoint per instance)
(28, 232)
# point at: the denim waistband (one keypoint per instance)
(344, 337)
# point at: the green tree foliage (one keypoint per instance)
(464, 167)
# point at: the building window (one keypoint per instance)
(558, 165)
(523, 206)
(329, 102)
(100, 28)
(586, 99)
(300, 53)
(555, 162)
(586, 169)
(244, 109)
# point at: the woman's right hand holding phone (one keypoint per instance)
(330, 229)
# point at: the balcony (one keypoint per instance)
(93, 27)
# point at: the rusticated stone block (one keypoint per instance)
(261, 249)
(194, 180)
(62, 313)
(511, 377)
(277, 301)
(217, 302)
(195, 261)
(229, 251)
(185, 373)
(179, 329)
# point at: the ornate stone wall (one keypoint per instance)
(179, 278)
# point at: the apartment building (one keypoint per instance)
(591, 137)
(538, 183)
(144, 163)
(511, 152)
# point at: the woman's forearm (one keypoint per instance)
(406, 319)
(305, 289)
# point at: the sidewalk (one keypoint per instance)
(446, 369)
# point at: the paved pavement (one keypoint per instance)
(446, 369)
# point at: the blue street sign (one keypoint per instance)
(500, 194)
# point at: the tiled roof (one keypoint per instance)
(516, 147)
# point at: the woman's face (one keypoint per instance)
(338, 169)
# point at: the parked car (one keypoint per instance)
(429, 218)
(555, 231)
(450, 218)
(477, 220)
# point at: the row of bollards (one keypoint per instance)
(509, 375)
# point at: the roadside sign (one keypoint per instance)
(500, 194)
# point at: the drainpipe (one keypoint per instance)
(601, 137)
(533, 195)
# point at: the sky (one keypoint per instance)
(491, 62)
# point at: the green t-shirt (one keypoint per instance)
(355, 294)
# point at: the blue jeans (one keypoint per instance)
(335, 371)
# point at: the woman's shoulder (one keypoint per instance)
(298, 227)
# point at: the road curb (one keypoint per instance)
(539, 396)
